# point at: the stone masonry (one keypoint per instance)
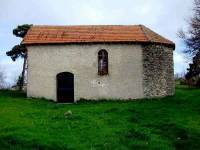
(158, 73)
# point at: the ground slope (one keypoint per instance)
(167, 123)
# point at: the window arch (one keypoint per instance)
(102, 62)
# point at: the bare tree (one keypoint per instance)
(191, 38)
(2, 79)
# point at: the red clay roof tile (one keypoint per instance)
(92, 34)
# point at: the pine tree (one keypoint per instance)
(20, 50)
(193, 74)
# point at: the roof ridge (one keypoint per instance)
(82, 25)
(145, 33)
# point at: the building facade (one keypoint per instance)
(98, 62)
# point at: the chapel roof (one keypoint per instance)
(44, 34)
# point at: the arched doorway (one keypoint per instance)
(65, 87)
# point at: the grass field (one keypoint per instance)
(156, 124)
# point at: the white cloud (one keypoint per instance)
(180, 63)
(164, 17)
(11, 69)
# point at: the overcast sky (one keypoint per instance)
(164, 17)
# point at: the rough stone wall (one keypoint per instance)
(125, 69)
(158, 72)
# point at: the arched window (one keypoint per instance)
(102, 62)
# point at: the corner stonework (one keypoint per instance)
(158, 72)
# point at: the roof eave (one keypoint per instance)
(171, 45)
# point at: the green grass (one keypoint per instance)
(157, 124)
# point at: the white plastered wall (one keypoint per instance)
(123, 82)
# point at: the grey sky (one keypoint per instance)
(164, 17)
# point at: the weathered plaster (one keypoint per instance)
(125, 79)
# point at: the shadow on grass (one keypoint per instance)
(14, 142)
(13, 94)
(180, 137)
(134, 139)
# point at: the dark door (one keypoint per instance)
(65, 87)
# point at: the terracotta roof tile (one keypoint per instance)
(92, 34)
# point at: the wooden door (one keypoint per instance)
(65, 87)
